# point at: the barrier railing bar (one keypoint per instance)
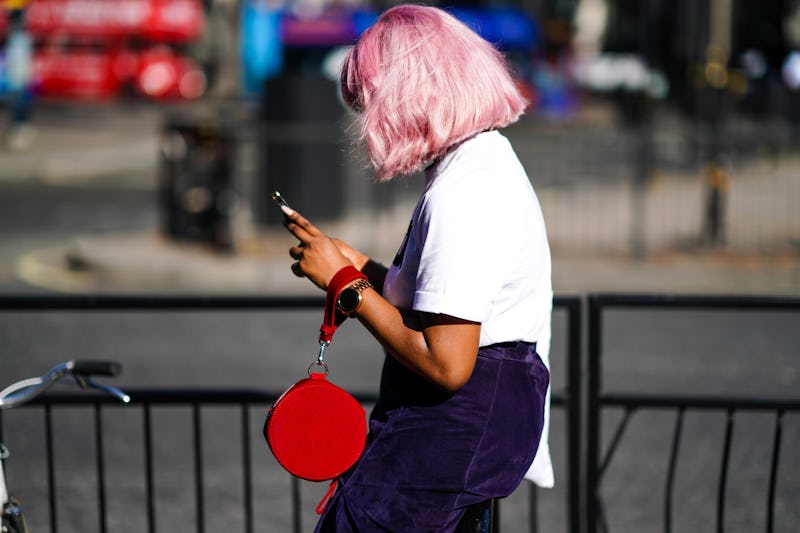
(773, 472)
(148, 468)
(155, 303)
(602, 521)
(699, 402)
(571, 399)
(673, 461)
(607, 459)
(209, 396)
(51, 469)
(198, 468)
(593, 379)
(189, 395)
(297, 524)
(247, 466)
(623, 424)
(176, 396)
(533, 505)
(667, 301)
(100, 467)
(574, 400)
(723, 472)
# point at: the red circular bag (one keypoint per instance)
(316, 429)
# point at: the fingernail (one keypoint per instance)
(288, 211)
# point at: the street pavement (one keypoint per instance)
(114, 150)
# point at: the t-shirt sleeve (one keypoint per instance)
(465, 243)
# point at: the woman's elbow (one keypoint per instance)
(450, 351)
(453, 379)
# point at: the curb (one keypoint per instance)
(148, 263)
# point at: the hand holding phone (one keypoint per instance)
(316, 250)
(278, 200)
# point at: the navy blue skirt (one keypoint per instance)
(431, 454)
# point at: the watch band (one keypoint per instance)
(332, 318)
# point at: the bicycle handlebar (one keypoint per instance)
(82, 370)
(87, 368)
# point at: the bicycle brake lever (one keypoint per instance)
(82, 381)
(108, 389)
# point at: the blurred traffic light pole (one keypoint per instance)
(716, 82)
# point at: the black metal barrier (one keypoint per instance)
(600, 402)
(243, 400)
(585, 464)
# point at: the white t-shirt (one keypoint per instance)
(477, 249)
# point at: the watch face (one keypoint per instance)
(349, 299)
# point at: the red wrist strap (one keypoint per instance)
(333, 318)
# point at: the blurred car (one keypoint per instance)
(105, 73)
(163, 74)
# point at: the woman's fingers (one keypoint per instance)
(316, 256)
(299, 226)
(296, 252)
(296, 270)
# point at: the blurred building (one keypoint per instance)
(97, 50)
(738, 46)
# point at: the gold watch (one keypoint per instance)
(349, 299)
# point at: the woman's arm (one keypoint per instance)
(440, 348)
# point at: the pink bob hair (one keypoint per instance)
(422, 81)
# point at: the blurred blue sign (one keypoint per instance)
(506, 28)
(260, 44)
(266, 31)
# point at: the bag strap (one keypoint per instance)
(333, 318)
(323, 503)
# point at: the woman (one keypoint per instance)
(468, 295)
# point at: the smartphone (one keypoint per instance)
(278, 200)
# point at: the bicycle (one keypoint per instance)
(12, 519)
